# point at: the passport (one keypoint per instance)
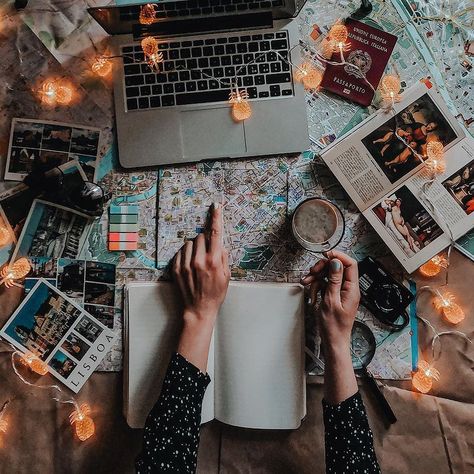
(370, 49)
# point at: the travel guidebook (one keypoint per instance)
(387, 179)
(58, 331)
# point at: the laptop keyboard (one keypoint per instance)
(199, 7)
(202, 71)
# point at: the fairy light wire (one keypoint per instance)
(56, 387)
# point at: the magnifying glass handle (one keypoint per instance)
(381, 400)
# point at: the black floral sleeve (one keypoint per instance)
(171, 437)
(348, 438)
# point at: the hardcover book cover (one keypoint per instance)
(369, 50)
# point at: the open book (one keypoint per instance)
(381, 165)
(256, 360)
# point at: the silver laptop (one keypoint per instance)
(181, 113)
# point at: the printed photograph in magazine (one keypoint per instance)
(407, 222)
(461, 186)
(388, 148)
(416, 125)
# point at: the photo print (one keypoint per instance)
(461, 187)
(15, 204)
(62, 364)
(42, 321)
(75, 346)
(56, 137)
(87, 328)
(52, 230)
(71, 276)
(99, 293)
(104, 314)
(27, 135)
(407, 221)
(58, 331)
(417, 124)
(36, 145)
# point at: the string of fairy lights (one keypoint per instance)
(60, 91)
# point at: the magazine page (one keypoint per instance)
(419, 218)
(387, 148)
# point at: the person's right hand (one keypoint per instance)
(339, 297)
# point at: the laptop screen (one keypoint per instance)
(124, 19)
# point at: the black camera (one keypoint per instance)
(382, 294)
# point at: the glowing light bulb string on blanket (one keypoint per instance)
(80, 417)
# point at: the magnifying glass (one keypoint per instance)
(363, 347)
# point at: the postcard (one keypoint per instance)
(44, 145)
(52, 230)
(58, 331)
(89, 284)
(15, 204)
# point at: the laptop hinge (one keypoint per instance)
(216, 24)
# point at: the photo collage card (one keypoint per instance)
(89, 284)
(54, 328)
(36, 145)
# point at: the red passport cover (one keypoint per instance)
(370, 49)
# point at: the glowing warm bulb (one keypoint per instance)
(435, 150)
(149, 46)
(102, 66)
(338, 33)
(436, 165)
(451, 310)
(14, 271)
(84, 424)
(390, 89)
(34, 363)
(433, 267)
(423, 378)
(53, 92)
(147, 14)
(48, 92)
(309, 76)
(327, 48)
(4, 236)
(241, 109)
(64, 95)
(150, 50)
(391, 84)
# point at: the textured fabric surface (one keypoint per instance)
(433, 433)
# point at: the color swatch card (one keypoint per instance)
(123, 228)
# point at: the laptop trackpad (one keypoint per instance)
(211, 133)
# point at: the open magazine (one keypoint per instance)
(388, 181)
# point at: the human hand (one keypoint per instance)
(340, 297)
(201, 272)
(339, 302)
